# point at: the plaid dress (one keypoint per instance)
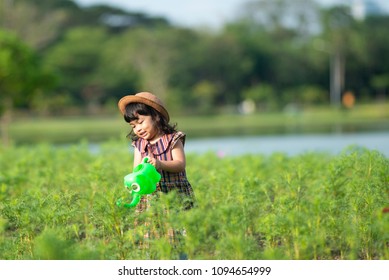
(162, 150)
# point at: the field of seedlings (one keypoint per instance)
(59, 203)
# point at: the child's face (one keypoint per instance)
(145, 128)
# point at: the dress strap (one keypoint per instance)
(179, 135)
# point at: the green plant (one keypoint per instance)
(59, 203)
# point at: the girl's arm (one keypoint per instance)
(176, 165)
(137, 157)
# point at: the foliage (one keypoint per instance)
(36, 24)
(19, 84)
(287, 49)
(59, 203)
(78, 54)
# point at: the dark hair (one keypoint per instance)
(133, 110)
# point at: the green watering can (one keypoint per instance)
(143, 180)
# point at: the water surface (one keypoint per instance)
(289, 144)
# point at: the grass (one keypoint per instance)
(98, 129)
(59, 203)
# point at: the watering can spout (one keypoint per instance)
(135, 201)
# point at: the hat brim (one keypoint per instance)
(124, 101)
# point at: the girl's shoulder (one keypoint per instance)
(140, 144)
(176, 136)
(168, 141)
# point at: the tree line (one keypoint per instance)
(57, 57)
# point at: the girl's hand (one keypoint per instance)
(177, 164)
(155, 162)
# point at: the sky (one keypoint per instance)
(193, 13)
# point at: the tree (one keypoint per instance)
(75, 60)
(207, 63)
(21, 77)
(37, 23)
(41, 23)
(375, 45)
(302, 16)
(275, 37)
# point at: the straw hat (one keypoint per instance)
(145, 98)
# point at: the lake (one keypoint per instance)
(289, 144)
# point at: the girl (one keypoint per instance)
(154, 137)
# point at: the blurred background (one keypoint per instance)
(233, 74)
